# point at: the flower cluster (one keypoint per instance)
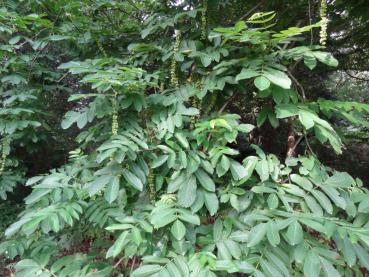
(173, 68)
(4, 153)
(151, 184)
(203, 20)
(324, 22)
(169, 199)
(114, 121)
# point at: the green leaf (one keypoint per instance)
(313, 205)
(178, 230)
(278, 78)
(159, 161)
(262, 83)
(146, 271)
(237, 170)
(270, 269)
(132, 179)
(246, 74)
(223, 252)
(118, 245)
(182, 140)
(364, 206)
(187, 192)
(175, 183)
(205, 181)
(349, 252)
(335, 196)
(323, 200)
(262, 168)
(307, 119)
(233, 248)
(111, 192)
(98, 184)
(257, 233)
(223, 166)
(362, 255)
(312, 265)
(14, 79)
(326, 58)
(163, 217)
(250, 163)
(286, 110)
(329, 269)
(302, 182)
(211, 202)
(294, 233)
(273, 233)
(189, 217)
(272, 201)
(340, 180)
(36, 195)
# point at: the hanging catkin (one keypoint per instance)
(204, 19)
(173, 67)
(324, 22)
(151, 183)
(5, 144)
(114, 120)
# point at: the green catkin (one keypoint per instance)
(324, 22)
(169, 198)
(211, 105)
(114, 120)
(173, 67)
(4, 153)
(204, 19)
(152, 189)
(101, 48)
(196, 103)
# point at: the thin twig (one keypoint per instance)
(62, 77)
(355, 77)
(307, 143)
(310, 23)
(252, 10)
(222, 109)
(226, 103)
(133, 5)
(298, 84)
(133, 264)
(297, 143)
(118, 263)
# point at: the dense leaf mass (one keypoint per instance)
(156, 184)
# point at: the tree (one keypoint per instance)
(157, 183)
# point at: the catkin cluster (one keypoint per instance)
(169, 198)
(173, 67)
(150, 181)
(196, 103)
(101, 48)
(324, 23)
(114, 121)
(204, 19)
(4, 154)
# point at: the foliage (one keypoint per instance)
(157, 184)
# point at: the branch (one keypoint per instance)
(226, 103)
(298, 84)
(252, 10)
(118, 263)
(355, 77)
